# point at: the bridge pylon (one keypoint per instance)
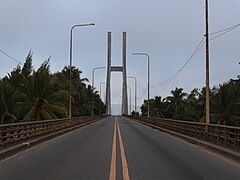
(122, 69)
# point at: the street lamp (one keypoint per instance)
(148, 59)
(130, 97)
(70, 89)
(93, 86)
(101, 96)
(135, 79)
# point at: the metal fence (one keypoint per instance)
(11, 133)
(216, 133)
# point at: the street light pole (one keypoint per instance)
(207, 70)
(135, 79)
(148, 59)
(70, 73)
(93, 87)
(130, 101)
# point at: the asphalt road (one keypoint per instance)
(140, 153)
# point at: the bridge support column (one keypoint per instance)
(122, 69)
(108, 89)
(124, 74)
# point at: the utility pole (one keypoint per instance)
(207, 70)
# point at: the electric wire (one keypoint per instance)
(10, 57)
(140, 97)
(199, 47)
(225, 32)
(226, 29)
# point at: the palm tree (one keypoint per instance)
(158, 106)
(9, 87)
(226, 105)
(176, 103)
(79, 90)
(7, 102)
(35, 95)
(39, 100)
(191, 108)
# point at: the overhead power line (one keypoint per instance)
(200, 44)
(226, 29)
(140, 97)
(222, 32)
(10, 57)
(199, 47)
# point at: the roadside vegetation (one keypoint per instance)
(28, 94)
(224, 105)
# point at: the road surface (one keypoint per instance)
(117, 148)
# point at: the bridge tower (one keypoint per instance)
(122, 69)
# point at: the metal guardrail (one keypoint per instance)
(216, 133)
(12, 133)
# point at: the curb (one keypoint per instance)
(7, 152)
(233, 155)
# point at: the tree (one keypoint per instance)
(7, 102)
(27, 94)
(27, 67)
(158, 106)
(176, 103)
(39, 100)
(192, 109)
(45, 66)
(226, 105)
(9, 87)
(144, 108)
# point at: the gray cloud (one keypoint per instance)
(168, 30)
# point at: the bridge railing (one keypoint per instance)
(216, 133)
(11, 133)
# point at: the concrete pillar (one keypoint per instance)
(122, 69)
(108, 88)
(124, 74)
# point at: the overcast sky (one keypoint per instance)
(168, 30)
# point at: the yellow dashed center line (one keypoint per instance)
(112, 175)
(123, 157)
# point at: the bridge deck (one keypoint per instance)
(88, 153)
